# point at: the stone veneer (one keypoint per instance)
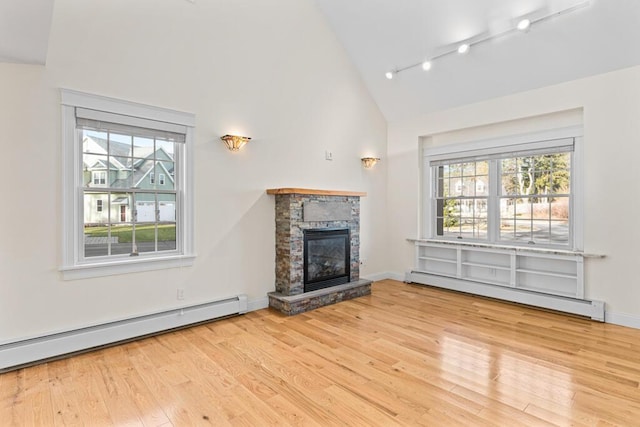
(289, 296)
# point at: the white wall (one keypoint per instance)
(611, 106)
(270, 70)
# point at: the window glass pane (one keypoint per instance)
(145, 208)
(96, 240)
(120, 172)
(146, 237)
(93, 142)
(121, 239)
(96, 223)
(480, 229)
(94, 168)
(165, 149)
(119, 145)
(455, 169)
(451, 216)
(482, 185)
(522, 230)
(468, 169)
(143, 147)
(468, 187)
(167, 172)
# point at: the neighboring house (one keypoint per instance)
(145, 169)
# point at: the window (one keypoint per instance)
(99, 177)
(509, 192)
(534, 198)
(161, 179)
(135, 224)
(462, 212)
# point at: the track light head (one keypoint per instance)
(523, 24)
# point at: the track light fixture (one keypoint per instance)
(523, 25)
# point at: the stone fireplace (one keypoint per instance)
(317, 249)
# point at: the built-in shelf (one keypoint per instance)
(548, 271)
(495, 267)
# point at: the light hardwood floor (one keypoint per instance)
(406, 355)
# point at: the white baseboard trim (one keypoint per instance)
(258, 304)
(623, 319)
(589, 308)
(28, 351)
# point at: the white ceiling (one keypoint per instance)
(382, 35)
(24, 30)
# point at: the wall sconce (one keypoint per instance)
(369, 162)
(235, 142)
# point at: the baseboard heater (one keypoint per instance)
(20, 353)
(588, 308)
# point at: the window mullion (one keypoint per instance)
(493, 202)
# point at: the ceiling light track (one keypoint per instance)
(523, 25)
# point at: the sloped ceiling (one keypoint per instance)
(382, 35)
(24, 30)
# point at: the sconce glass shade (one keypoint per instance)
(369, 162)
(235, 142)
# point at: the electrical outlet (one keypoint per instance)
(180, 294)
(328, 155)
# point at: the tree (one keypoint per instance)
(536, 175)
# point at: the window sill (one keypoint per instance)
(84, 271)
(508, 247)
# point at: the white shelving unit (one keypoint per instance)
(545, 271)
(547, 278)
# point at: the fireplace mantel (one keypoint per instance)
(308, 191)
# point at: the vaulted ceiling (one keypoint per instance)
(24, 30)
(384, 35)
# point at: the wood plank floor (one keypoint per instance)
(406, 355)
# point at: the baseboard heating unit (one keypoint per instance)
(582, 307)
(24, 352)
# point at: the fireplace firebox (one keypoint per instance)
(326, 258)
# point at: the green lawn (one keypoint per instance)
(144, 233)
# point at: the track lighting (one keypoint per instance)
(522, 25)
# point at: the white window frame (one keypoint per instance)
(515, 143)
(160, 179)
(74, 266)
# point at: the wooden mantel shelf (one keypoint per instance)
(315, 192)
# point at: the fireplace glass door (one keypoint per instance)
(326, 258)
